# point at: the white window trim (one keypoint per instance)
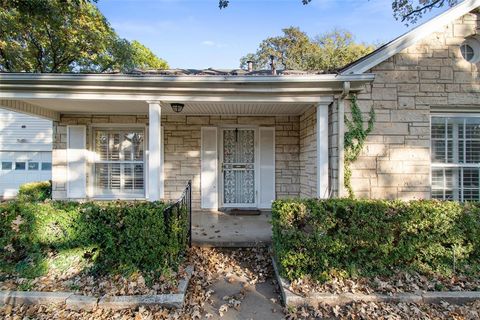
(450, 165)
(91, 162)
(475, 45)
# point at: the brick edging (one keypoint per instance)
(290, 298)
(81, 302)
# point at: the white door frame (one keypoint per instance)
(256, 165)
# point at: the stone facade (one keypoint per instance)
(182, 149)
(308, 156)
(428, 77)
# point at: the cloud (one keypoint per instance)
(210, 43)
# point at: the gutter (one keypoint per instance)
(129, 78)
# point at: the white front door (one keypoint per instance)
(238, 167)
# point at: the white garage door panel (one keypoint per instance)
(11, 180)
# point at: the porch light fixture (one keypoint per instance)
(177, 107)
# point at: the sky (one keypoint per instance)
(197, 34)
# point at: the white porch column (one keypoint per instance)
(341, 145)
(322, 149)
(154, 172)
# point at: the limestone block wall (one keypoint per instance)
(428, 77)
(308, 156)
(182, 149)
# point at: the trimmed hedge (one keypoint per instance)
(35, 191)
(120, 236)
(349, 238)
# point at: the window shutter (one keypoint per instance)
(209, 169)
(267, 167)
(76, 162)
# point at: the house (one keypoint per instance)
(25, 151)
(246, 138)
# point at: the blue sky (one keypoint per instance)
(196, 34)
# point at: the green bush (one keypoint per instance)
(121, 236)
(349, 238)
(35, 191)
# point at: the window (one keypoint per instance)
(467, 52)
(119, 162)
(470, 49)
(455, 158)
(46, 166)
(7, 165)
(19, 165)
(33, 165)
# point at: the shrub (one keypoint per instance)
(122, 236)
(35, 191)
(344, 237)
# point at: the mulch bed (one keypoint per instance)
(398, 283)
(390, 311)
(76, 279)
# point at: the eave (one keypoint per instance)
(169, 88)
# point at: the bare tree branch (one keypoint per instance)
(423, 9)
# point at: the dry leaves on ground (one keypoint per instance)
(253, 264)
(393, 311)
(76, 280)
(400, 282)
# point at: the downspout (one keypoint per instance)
(341, 135)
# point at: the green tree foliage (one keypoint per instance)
(292, 50)
(65, 36)
(295, 50)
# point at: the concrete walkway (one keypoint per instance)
(258, 302)
(217, 229)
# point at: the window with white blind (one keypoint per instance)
(119, 165)
(455, 155)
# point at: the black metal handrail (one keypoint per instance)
(183, 206)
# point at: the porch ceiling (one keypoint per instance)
(191, 108)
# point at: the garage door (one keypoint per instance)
(17, 168)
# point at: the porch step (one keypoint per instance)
(229, 244)
(243, 212)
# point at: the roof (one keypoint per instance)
(410, 38)
(223, 72)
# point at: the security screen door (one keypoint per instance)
(238, 168)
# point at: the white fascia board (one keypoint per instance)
(85, 78)
(411, 37)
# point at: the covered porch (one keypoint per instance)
(244, 141)
(220, 229)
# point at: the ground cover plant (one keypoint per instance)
(344, 239)
(96, 239)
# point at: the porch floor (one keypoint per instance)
(218, 229)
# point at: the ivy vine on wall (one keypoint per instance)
(354, 139)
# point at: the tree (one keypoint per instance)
(408, 11)
(292, 50)
(337, 49)
(65, 36)
(295, 50)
